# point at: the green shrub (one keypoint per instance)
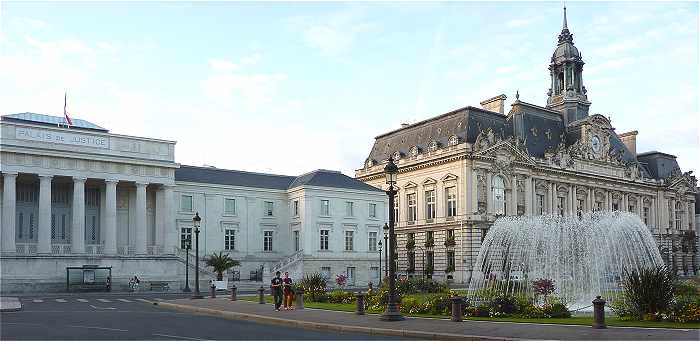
(503, 306)
(687, 289)
(482, 310)
(556, 310)
(649, 291)
(685, 309)
(314, 286)
(429, 286)
(341, 297)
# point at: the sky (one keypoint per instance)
(291, 87)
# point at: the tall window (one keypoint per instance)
(411, 201)
(185, 237)
(324, 239)
(267, 241)
(269, 208)
(326, 272)
(372, 208)
(598, 206)
(297, 241)
(451, 259)
(295, 208)
(540, 204)
(645, 215)
(579, 207)
(186, 203)
(679, 215)
(230, 239)
(230, 206)
(430, 204)
(561, 201)
(451, 195)
(349, 240)
(350, 272)
(349, 209)
(372, 241)
(615, 205)
(325, 207)
(499, 195)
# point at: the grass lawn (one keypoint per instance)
(577, 320)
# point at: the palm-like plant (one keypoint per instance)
(221, 262)
(649, 290)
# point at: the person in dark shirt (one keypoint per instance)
(288, 292)
(276, 286)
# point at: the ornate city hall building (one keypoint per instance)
(462, 170)
(81, 196)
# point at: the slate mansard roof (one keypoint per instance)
(49, 120)
(319, 178)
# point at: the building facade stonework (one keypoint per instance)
(84, 196)
(462, 170)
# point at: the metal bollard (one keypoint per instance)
(261, 295)
(457, 308)
(213, 290)
(360, 308)
(233, 292)
(599, 313)
(299, 299)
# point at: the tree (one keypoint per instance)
(220, 263)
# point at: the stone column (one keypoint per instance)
(514, 196)
(140, 240)
(625, 202)
(572, 199)
(473, 193)
(550, 198)
(44, 236)
(78, 230)
(9, 199)
(169, 227)
(609, 200)
(529, 193)
(639, 206)
(591, 199)
(489, 194)
(110, 228)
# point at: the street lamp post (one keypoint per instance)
(195, 222)
(380, 263)
(386, 250)
(188, 247)
(392, 312)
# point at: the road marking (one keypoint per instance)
(123, 300)
(103, 308)
(101, 328)
(60, 300)
(82, 300)
(142, 300)
(38, 301)
(159, 299)
(180, 337)
(103, 300)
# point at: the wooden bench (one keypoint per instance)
(161, 286)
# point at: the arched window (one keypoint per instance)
(498, 188)
(679, 215)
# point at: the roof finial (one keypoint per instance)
(517, 95)
(564, 28)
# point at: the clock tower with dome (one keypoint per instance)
(567, 93)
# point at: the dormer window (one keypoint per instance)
(397, 155)
(414, 151)
(434, 146)
(454, 140)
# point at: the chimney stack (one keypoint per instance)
(494, 104)
(630, 140)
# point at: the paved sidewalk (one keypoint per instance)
(10, 304)
(419, 327)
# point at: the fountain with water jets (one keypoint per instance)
(585, 256)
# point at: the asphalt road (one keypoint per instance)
(116, 317)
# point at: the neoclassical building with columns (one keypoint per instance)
(462, 170)
(80, 195)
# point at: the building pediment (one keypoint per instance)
(682, 183)
(429, 181)
(410, 184)
(449, 177)
(503, 150)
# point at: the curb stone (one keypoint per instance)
(332, 327)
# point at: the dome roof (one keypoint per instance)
(565, 51)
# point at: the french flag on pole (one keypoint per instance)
(65, 111)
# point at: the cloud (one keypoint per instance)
(332, 34)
